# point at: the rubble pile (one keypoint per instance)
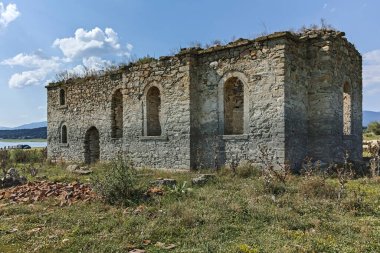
(65, 193)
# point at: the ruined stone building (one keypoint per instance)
(297, 94)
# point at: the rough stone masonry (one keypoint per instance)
(299, 94)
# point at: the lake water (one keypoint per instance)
(32, 144)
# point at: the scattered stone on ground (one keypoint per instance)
(137, 251)
(165, 246)
(202, 179)
(165, 181)
(72, 167)
(154, 191)
(12, 178)
(66, 193)
(75, 168)
(160, 245)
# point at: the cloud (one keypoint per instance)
(37, 59)
(95, 63)
(87, 50)
(91, 63)
(372, 57)
(41, 67)
(371, 68)
(7, 14)
(95, 42)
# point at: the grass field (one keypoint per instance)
(234, 213)
(22, 140)
(370, 137)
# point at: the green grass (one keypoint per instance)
(231, 214)
(23, 140)
(370, 137)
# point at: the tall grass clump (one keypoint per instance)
(118, 183)
(27, 156)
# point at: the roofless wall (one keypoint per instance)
(204, 108)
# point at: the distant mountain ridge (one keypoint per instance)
(27, 126)
(370, 116)
(24, 134)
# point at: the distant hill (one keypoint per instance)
(35, 133)
(369, 116)
(27, 126)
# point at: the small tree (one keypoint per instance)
(374, 127)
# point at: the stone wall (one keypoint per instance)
(89, 104)
(258, 67)
(205, 108)
(319, 65)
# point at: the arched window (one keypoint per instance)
(347, 109)
(62, 97)
(117, 114)
(153, 108)
(233, 106)
(64, 134)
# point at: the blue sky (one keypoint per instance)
(40, 38)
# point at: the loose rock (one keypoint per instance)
(12, 178)
(202, 179)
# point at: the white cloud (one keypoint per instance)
(129, 47)
(41, 67)
(95, 42)
(8, 14)
(27, 78)
(91, 63)
(372, 57)
(95, 63)
(371, 68)
(34, 60)
(87, 50)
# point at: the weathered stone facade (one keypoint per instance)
(298, 94)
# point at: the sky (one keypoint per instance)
(40, 39)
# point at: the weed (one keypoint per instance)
(247, 170)
(179, 190)
(270, 174)
(317, 187)
(344, 173)
(118, 182)
(244, 248)
(144, 60)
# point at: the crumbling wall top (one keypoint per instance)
(298, 37)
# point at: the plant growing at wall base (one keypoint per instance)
(270, 174)
(117, 182)
(344, 173)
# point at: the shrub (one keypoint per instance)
(317, 187)
(246, 170)
(117, 182)
(374, 127)
(28, 156)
